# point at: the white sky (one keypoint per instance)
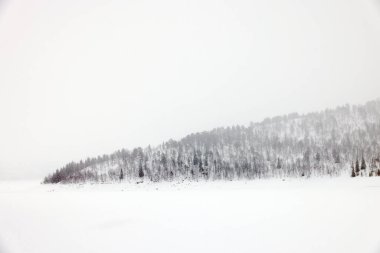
(80, 78)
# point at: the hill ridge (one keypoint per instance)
(328, 142)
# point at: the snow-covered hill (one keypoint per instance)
(331, 142)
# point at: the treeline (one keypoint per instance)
(361, 170)
(322, 143)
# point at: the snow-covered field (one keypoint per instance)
(315, 215)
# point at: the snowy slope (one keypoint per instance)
(320, 143)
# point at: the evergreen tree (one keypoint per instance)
(141, 172)
(200, 166)
(121, 177)
(363, 165)
(353, 173)
(278, 163)
(195, 159)
(357, 168)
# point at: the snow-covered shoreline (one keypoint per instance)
(270, 215)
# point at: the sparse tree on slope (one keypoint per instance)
(363, 165)
(357, 168)
(121, 177)
(141, 172)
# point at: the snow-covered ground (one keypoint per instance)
(314, 215)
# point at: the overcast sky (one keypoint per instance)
(80, 78)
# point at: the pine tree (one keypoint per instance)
(195, 159)
(200, 166)
(363, 166)
(278, 163)
(353, 173)
(373, 164)
(357, 168)
(141, 172)
(121, 177)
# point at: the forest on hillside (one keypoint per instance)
(331, 142)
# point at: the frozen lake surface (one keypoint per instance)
(311, 215)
